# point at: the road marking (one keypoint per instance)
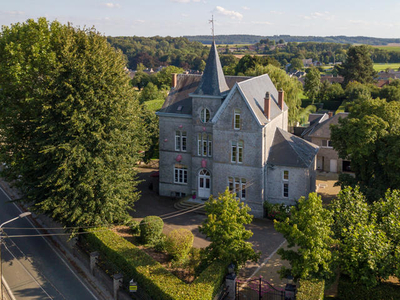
(9, 291)
(266, 260)
(27, 271)
(47, 242)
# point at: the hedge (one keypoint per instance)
(310, 290)
(150, 275)
(348, 290)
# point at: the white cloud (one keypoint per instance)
(359, 22)
(327, 16)
(111, 5)
(245, 7)
(13, 12)
(261, 23)
(276, 12)
(185, 15)
(181, 1)
(230, 13)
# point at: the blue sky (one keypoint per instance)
(190, 17)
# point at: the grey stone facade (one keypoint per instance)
(230, 144)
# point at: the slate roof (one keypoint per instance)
(213, 80)
(313, 123)
(291, 151)
(187, 84)
(254, 90)
(322, 130)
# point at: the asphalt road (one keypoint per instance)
(32, 267)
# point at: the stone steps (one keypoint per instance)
(188, 206)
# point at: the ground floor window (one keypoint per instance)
(180, 174)
(238, 186)
(286, 190)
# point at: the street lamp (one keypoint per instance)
(23, 215)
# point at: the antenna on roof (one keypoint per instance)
(212, 26)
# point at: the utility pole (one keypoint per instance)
(23, 215)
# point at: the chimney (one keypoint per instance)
(281, 99)
(267, 105)
(330, 114)
(174, 80)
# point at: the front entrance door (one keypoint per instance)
(333, 166)
(204, 186)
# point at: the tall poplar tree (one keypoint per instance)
(70, 124)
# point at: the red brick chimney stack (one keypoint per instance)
(267, 105)
(330, 114)
(281, 99)
(174, 80)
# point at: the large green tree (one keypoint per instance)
(358, 65)
(224, 226)
(370, 137)
(71, 129)
(308, 229)
(312, 84)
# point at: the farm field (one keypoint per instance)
(383, 67)
(389, 47)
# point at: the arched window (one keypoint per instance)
(205, 115)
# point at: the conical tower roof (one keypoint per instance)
(213, 80)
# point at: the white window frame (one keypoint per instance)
(237, 186)
(283, 175)
(236, 119)
(180, 174)
(283, 191)
(327, 145)
(180, 141)
(204, 145)
(237, 152)
(204, 113)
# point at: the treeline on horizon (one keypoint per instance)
(156, 51)
(252, 39)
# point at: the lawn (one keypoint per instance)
(383, 67)
(389, 48)
(154, 105)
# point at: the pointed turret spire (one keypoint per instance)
(213, 80)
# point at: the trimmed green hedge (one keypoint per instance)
(150, 275)
(350, 291)
(310, 290)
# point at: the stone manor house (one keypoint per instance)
(220, 131)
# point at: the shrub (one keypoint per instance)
(276, 211)
(178, 243)
(347, 290)
(134, 227)
(151, 276)
(311, 290)
(151, 228)
(160, 244)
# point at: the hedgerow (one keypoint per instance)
(150, 275)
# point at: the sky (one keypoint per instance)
(191, 17)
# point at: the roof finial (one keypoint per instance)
(212, 26)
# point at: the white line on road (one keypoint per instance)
(9, 292)
(55, 251)
(266, 260)
(27, 271)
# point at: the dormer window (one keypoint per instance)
(236, 119)
(205, 115)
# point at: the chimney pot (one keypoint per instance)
(267, 106)
(281, 99)
(174, 80)
(330, 114)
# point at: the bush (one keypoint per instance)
(276, 211)
(347, 290)
(134, 227)
(151, 228)
(150, 275)
(160, 244)
(311, 290)
(178, 243)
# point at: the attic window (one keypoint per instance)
(179, 108)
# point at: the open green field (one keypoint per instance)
(389, 48)
(383, 67)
